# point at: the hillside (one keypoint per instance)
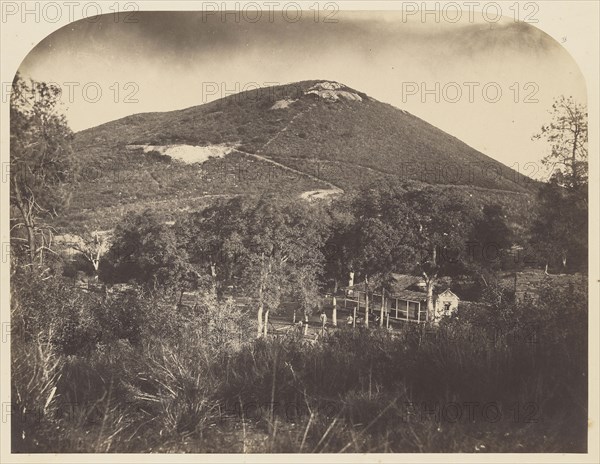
(303, 137)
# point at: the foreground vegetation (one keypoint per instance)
(134, 373)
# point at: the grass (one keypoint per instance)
(188, 386)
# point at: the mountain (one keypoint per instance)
(312, 138)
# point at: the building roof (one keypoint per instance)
(448, 292)
(399, 282)
(403, 281)
(410, 295)
(402, 286)
(405, 287)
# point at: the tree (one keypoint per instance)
(144, 250)
(92, 246)
(213, 240)
(442, 222)
(338, 248)
(383, 237)
(270, 246)
(559, 229)
(284, 254)
(567, 134)
(420, 230)
(489, 239)
(41, 158)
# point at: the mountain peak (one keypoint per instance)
(314, 126)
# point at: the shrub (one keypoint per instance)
(353, 391)
(156, 156)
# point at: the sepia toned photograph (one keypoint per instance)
(292, 228)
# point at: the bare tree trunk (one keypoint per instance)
(213, 276)
(260, 320)
(574, 158)
(96, 265)
(31, 241)
(334, 303)
(430, 284)
(260, 311)
(367, 301)
(430, 308)
(96, 257)
(260, 298)
(266, 325)
(382, 310)
(27, 215)
(429, 287)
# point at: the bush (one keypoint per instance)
(148, 375)
(158, 157)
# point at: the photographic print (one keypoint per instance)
(285, 228)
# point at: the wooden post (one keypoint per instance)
(354, 318)
(388, 321)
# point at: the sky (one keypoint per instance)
(489, 84)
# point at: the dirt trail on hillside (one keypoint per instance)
(268, 142)
(333, 189)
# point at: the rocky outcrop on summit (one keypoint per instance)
(332, 91)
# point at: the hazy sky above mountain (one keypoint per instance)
(449, 74)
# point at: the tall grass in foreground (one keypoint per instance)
(507, 379)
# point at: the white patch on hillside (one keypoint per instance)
(331, 91)
(188, 153)
(282, 104)
(319, 194)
